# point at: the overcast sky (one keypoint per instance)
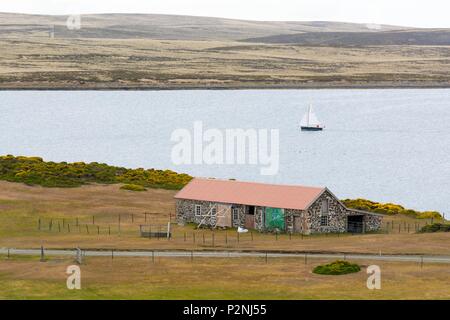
(419, 13)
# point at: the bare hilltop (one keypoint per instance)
(150, 51)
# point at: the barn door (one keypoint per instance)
(250, 218)
(298, 227)
(224, 215)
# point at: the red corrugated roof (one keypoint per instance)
(250, 193)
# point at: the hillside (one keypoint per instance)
(406, 37)
(169, 27)
(137, 51)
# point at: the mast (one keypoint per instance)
(308, 113)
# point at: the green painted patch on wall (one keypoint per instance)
(274, 218)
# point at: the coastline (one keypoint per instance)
(313, 86)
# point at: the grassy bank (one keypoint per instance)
(36, 171)
(390, 209)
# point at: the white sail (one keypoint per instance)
(310, 119)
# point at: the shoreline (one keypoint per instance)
(313, 86)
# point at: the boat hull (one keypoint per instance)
(312, 128)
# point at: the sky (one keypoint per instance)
(413, 13)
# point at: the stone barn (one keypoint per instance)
(268, 207)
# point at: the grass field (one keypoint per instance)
(97, 209)
(203, 278)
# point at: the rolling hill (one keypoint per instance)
(169, 27)
(405, 37)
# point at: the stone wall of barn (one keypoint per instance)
(185, 212)
(337, 216)
(372, 222)
(310, 220)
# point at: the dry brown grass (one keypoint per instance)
(21, 206)
(203, 278)
(37, 61)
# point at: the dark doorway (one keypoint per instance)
(355, 224)
(250, 218)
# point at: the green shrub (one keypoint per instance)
(435, 227)
(133, 187)
(389, 209)
(337, 268)
(35, 171)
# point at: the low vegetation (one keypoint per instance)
(337, 268)
(389, 209)
(36, 171)
(133, 187)
(435, 227)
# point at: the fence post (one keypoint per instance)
(59, 226)
(306, 258)
(251, 234)
(238, 237)
(266, 256)
(168, 230)
(193, 236)
(39, 224)
(93, 219)
(192, 256)
(87, 229)
(112, 254)
(8, 253)
(203, 235)
(213, 239)
(153, 256)
(68, 228)
(119, 224)
(42, 254)
(109, 230)
(226, 237)
(98, 229)
(50, 225)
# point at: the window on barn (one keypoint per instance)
(213, 211)
(235, 214)
(325, 206)
(324, 221)
(198, 210)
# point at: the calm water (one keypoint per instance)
(385, 145)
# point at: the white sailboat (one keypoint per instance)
(310, 122)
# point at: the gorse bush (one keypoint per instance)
(337, 268)
(36, 171)
(435, 227)
(389, 209)
(133, 187)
